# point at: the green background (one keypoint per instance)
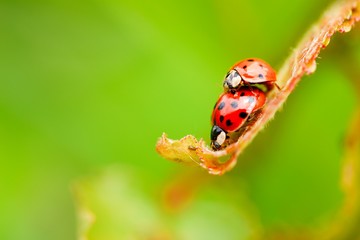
(87, 88)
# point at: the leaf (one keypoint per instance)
(113, 205)
(340, 17)
(117, 204)
(346, 223)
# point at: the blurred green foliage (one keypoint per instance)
(85, 85)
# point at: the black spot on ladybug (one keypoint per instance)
(243, 115)
(250, 60)
(221, 105)
(234, 104)
(244, 67)
(221, 118)
(261, 76)
(242, 94)
(228, 123)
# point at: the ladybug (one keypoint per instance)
(250, 71)
(232, 112)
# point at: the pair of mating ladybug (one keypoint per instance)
(241, 103)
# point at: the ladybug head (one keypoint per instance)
(218, 137)
(232, 80)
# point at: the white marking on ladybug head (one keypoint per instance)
(220, 139)
(232, 80)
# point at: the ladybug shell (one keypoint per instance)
(233, 109)
(254, 70)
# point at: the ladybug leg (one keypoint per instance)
(249, 86)
(271, 85)
(277, 86)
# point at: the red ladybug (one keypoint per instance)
(250, 71)
(233, 111)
